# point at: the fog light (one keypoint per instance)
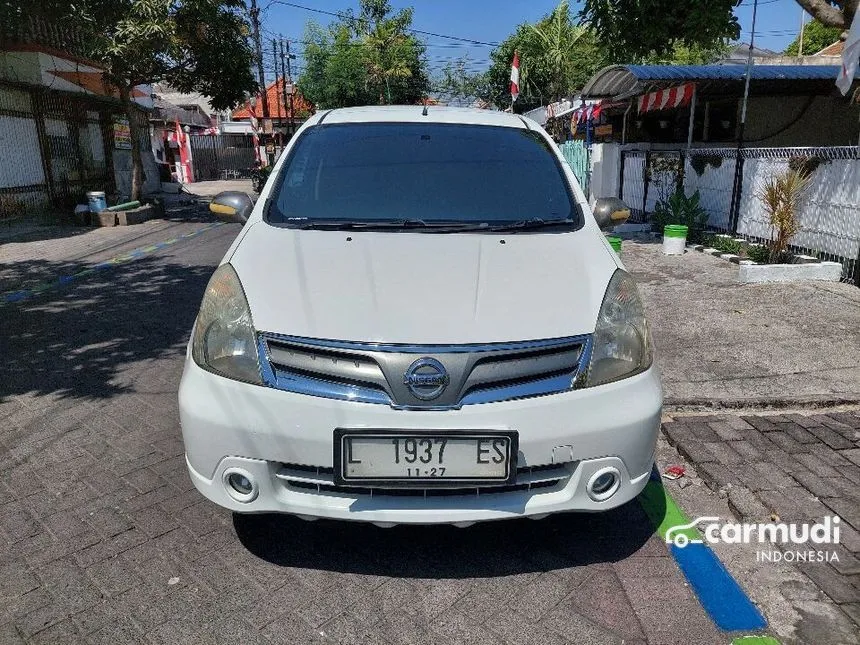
(603, 484)
(241, 484)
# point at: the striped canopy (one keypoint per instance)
(671, 97)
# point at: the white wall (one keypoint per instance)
(715, 189)
(830, 212)
(20, 161)
(605, 164)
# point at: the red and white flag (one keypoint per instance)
(515, 77)
(850, 57)
(255, 138)
(184, 170)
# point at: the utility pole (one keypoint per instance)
(277, 112)
(255, 24)
(283, 97)
(292, 87)
(802, 26)
(737, 188)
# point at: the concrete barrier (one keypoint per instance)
(829, 271)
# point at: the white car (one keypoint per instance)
(420, 322)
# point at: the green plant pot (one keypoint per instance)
(675, 230)
(615, 243)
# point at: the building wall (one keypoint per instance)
(122, 167)
(802, 121)
(56, 146)
(605, 160)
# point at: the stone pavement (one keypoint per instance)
(726, 344)
(104, 540)
(800, 467)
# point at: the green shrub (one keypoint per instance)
(758, 253)
(680, 209)
(726, 244)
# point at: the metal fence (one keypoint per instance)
(829, 216)
(55, 147)
(633, 184)
(224, 156)
(576, 155)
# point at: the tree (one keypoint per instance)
(194, 45)
(557, 57)
(831, 13)
(334, 74)
(655, 27)
(456, 83)
(365, 59)
(816, 37)
(686, 55)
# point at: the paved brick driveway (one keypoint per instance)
(802, 467)
(104, 540)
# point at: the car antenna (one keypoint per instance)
(424, 111)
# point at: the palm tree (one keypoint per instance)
(557, 41)
(386, 57)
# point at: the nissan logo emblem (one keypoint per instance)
(426, 378)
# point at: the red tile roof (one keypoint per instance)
(277, 109)
(832, 50)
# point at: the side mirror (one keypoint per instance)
(610, 212)
(232, 206)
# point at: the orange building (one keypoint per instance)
(279, 109)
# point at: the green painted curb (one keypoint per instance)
(663, 512)
(755, 640)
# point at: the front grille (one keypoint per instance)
(321, 480)
(378, 373)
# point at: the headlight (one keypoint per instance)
(224, 337)
(621, 344)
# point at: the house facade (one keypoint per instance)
(63, 130)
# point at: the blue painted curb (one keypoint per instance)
(721, 596)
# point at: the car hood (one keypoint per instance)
(423, 288)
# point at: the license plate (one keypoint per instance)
(441, 458)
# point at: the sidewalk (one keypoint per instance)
(724, 344)
(787, 468)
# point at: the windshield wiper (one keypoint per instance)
(526, 224)
(381, 224)
(440, 226)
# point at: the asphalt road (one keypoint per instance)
(104, 540)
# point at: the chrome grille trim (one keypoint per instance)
(372, 372)
(321, 480)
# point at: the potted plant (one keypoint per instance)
(681, 210)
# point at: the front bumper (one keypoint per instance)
(257, 430)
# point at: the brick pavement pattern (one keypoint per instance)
(801, 467)
(103, 539)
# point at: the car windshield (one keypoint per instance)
(414, 175)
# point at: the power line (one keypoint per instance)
(345, 16)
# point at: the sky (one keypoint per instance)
(490, 21)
